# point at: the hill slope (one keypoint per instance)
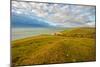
(73, 45)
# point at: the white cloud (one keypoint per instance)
(61, 14)
(18, 12)
(91, 24)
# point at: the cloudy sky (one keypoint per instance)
(61, 15)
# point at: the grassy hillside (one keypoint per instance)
(73, 45)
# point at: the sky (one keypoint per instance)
(52, 14)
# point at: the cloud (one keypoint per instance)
(91, 24)
(59, 14)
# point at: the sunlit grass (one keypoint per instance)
(75, 45)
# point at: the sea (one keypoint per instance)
(19, 33)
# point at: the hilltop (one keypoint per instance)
(73, 45)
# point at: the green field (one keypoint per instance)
(72, 45)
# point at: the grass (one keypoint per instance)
(75, 45)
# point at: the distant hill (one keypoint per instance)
(73, 45)
(83, 32)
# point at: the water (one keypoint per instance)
(18, 33)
